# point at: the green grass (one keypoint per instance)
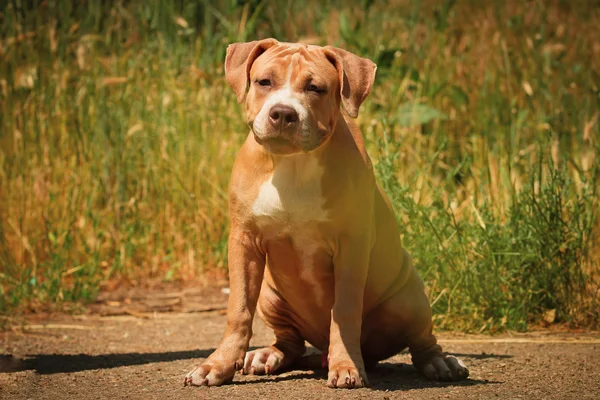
(118, 133)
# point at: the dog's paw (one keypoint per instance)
(263, 361)
(211, 373)
(345, 375)
(445, 368)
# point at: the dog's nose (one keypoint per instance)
(281, 116)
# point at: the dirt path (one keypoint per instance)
(134, 357)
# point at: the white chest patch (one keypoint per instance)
(292, 195)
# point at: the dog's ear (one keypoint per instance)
(238, 62)
(356, 76)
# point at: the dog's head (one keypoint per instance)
(296, 90)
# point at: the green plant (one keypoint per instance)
(118, 133)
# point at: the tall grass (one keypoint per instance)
(118, 132)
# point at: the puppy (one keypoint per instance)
(314, 242)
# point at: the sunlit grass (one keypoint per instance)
(118, 132)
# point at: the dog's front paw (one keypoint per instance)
(212, 373)
(346, 375)
(263, 361)
(445, 368)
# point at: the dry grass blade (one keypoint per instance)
(482, 125)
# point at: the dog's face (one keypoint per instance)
(296, 90)
(293, 102)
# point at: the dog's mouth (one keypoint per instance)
(285, 142)
(277, 144)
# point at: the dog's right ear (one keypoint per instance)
(239, 60)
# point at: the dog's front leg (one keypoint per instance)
(346, 367)
(246, 268)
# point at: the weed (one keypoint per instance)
(118, 133)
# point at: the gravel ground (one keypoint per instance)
(147, 355)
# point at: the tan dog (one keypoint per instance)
(304, 204)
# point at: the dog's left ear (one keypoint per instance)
(239, 60)
(356, 76)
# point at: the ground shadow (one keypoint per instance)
(482, 356)
(400, 376)
(385, 376)
(61, 363)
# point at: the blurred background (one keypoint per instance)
(118, 134)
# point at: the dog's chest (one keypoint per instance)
(288, 210)
(292, 196)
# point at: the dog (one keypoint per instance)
(314, 243)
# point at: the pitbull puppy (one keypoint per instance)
(314, 241)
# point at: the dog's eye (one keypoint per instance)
(264, 82)
(314, 88)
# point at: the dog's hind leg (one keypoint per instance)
(428, 358)
(404, 320)
(288, 346)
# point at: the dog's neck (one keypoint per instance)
(294, 189)
(297, 169)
